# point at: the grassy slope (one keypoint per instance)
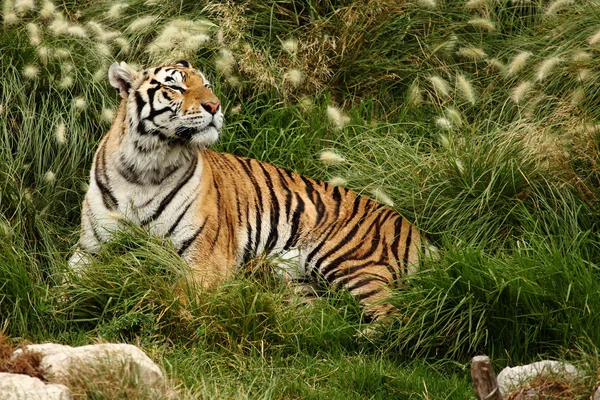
(499, 164)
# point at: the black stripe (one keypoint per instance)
(188, 242)
(93, 226)
(407, 249)
(247, 166)
(165, 202)
(397, 235)
(337, 196)
(315, 197)
(140, 103)
(273, 237)
(366, 295)
(347, 238)
(218, 203)
(295, 227)
(374, 227)
(288, 194)
(109, 200)
(365, 282)
(172, 228)
(248, 245)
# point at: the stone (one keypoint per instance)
(597, 394)
(511, 378)
(25, 387)
(59, 362)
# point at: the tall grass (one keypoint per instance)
(476, 119)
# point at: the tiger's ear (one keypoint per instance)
(183, 63)
(121, 77)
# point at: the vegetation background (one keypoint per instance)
(478, 120)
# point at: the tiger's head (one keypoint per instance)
(170, 103)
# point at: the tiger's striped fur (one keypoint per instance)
(221, 210)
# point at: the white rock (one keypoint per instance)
(59, 361)
(597, 394)
(25, 387)
(510, 378)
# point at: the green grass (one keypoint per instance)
(505, 181)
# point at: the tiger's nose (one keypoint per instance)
(212, 107)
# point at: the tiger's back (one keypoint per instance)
(221, 210)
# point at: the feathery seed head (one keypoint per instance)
(2, 109)
(80, 103)
(476, 4)
(594, 39)
(465, 88)
(450, 44)
(34, 34)
(142, 23)
(518, 63)
(460, 166)
(66, 82)
(115, 11)
(577, 96)
(454, 116)
(295, 77)
(472, 53)
(306, 103)
(556, 6)
(22, 6)
(10, 18)
(59, 26)
(31, 71)
(581, 57)
(482, 23)
(337, 117)
(414, 97)
(84, 187)
(584, 74)
(108, 115)
(233, 81)
(100, 74)
(47, 10)
(66, 67)
(331, 157)
(103, 50)
(440, 86)
(496, 64)
(427, 3)
(6, 230)
(443, 123)
(290, 45)
(180, 38)
(381, 196)
(444, 141)
(123, 44)
(236, 109)
(61, 134)
(520, 92)
(338, 181)
(546, 67)
(43, 54)
(77, 31)
(225, 62)
(50, 177)
(61, 53)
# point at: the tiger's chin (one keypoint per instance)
(198, 138)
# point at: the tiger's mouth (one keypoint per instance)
(186, 134)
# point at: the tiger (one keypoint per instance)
(154, 168)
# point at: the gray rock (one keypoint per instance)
(511, 378)
(60, 362)
(25, 387)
